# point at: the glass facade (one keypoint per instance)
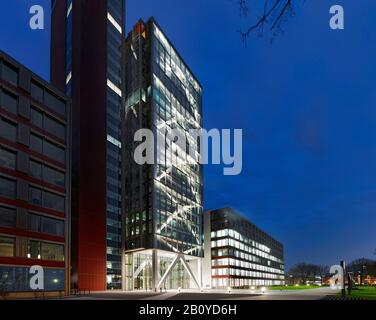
(163, 200)
(17, 279)
(177, 179)
(139, 271)
(69, 46)
(241, 254)
(115, 22)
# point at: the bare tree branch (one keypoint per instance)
(243, 8)
(286, 6)
(274, 13)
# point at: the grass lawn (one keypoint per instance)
(300, 287)
(364, 292)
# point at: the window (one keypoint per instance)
(33, 249)
(53, 201)
(33, 222)
(46, 199)
(36, 143)
(42, 224)
(46, 122)
(9, 102)
(54, 103)
(7, 188)
(35, 169)
(8, 130)
(7, 217)
(7, 247)
(36, 117)
(50, 251)
(54, 127)
(35, 196)
(54, 152)
(10, 74)
(52, 226)
(7, 159)
(36, 91)
(48, 174)
(53, 176)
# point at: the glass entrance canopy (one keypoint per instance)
(155, 270)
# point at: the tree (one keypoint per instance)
(303, 272)
(267, 15)
(323, 272)
(363, 265)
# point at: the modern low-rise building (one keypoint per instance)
(238, 254)
(162, 197)
(34, 180)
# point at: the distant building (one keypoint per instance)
(34, 179)
(369, 280)
(238, 254)
(163, 201)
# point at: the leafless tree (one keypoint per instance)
(267, 15)
(303, 272)
(362, 265)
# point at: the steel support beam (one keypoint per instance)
(168, 271)
(154, 265)
(140, 268)
(186, 266)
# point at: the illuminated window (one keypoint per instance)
(7, 247)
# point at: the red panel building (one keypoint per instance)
(34, 179)
(86, 62)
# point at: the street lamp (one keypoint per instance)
(362, 274)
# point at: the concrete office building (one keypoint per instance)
(163, 200)
(87, 63)
(238, 254)
(34, 180)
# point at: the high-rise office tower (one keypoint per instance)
(162, 199)
(87, 63)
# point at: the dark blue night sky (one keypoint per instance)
(306, 103)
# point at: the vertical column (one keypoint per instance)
(123, 271)
(154, 262)
(199, 271)
(133, 272)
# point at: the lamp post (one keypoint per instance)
(362, 274)
(349, 282)
(343, 265)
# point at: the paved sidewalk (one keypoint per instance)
(309, 294)
(163, 296)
